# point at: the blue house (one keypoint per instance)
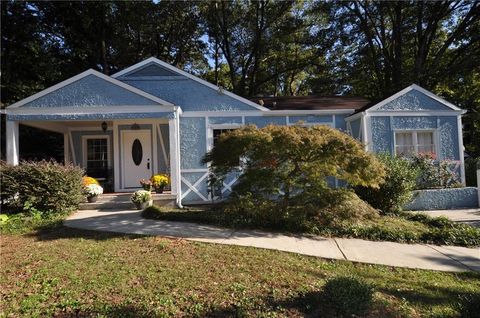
(155, 118)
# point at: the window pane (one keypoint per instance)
(425, 142)
(97, 157)
(217, 133)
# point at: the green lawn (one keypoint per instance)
(64, 272)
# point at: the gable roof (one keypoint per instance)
(312, 102)
(413, 87)
(154, 100)
(170, 68)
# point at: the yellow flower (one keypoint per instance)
(159, 180)
(89, 180)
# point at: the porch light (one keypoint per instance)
(104, 126)
(135, 127)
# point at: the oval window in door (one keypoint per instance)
(137, 152)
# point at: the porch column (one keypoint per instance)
(174, 139)
(66, 160)
(13, 150)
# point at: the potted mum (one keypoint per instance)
(141, 199)
(146, 184)
(92, 191)
(159, 181)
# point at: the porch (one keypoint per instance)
(117, 152)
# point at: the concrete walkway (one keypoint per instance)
(467, 216)
(424, 256)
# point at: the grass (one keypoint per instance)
(405, 228)
(57, 271)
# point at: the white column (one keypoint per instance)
(174, 139)
(66, 159)
(13, 150)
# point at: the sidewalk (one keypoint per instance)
(467, 216)
(423, 256)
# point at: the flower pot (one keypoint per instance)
(159, 190)
(142, 205)
(92, 199)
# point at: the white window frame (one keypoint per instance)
(213, 127)
(414, 133)
(85, 138)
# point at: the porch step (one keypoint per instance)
(121, 201)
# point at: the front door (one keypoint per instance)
(136, 157)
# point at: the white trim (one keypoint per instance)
(85, 74)
(365, 134)
(65, 149)
(460, 151)
(227, 113)
(415, 139)
(116, 156)
(415, 113)
(194, 187)
(195, 170)
(190, 76)
(74, 156)
(90, 110)
(84, 148)
(12, 142)
(309, 112)
(162, 145)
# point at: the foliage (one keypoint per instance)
(284, 175)
(146, 184)
(29, 221)
(348, 296)
(86, 180)
(396, 191)
(92, 190)
(472, 164)
(469, 305)
(432, 173)
(45, 186)
(141, 196)
(159, 180)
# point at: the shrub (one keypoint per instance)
(348, 296)
(469, 305)
(432, 173)
(45, 186)
(285, 171)
(396, 191)
(471, 166)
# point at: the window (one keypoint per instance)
(96, 157)
(409, 142)
(218, 132)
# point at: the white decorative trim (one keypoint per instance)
(235, 113)
(190, 76)
(194, 187)
(415, 113)
(162, 145)
(116, 156)
(90, 110)
(85, 74)
(195, 170)
(74, 156)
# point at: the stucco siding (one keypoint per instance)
(340, 122)
(88, 92)
(224, 120)
(189, 94)
(414, 122)
(414, 101)
(193, 142)
(381, 135)
(355, 126)
(442, 199)
(448, 137)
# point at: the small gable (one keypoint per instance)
(151, 69)
(414, 100)
(90, 90)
